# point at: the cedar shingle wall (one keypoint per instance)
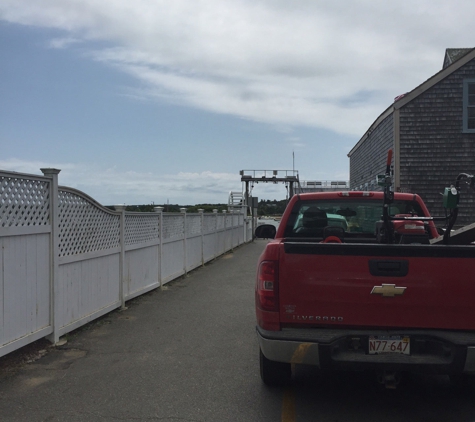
(433, 148)
(369, 159)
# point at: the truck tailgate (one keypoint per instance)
(361, 285)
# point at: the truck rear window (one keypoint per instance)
(354, 215)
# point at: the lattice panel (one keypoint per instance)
(173, 226)
(229, 220)
(83, 227)
(193, 225)
(209, 224)
(24, 202)
(220, 222)
(236, 220)
(141, 228)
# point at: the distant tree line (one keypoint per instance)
(176, 207)
(267, 207)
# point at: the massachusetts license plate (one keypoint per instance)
(389, 344)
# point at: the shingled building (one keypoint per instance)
(432, 133)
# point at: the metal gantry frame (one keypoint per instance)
(290, 177)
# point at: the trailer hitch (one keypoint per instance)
(390, 379)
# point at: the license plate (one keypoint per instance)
(389, 344)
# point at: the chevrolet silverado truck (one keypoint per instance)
(378, 292)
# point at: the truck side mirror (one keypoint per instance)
(265, 231)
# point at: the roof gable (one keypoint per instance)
(435, 79)
(453, 54)
(463, 58)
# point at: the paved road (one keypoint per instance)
(189, 353)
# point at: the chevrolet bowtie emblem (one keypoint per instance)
(388, 290)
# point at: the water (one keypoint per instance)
(268, 220)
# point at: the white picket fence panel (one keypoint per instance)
(66, 260)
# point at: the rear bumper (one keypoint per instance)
(432, 351)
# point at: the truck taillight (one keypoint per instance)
(267, 286)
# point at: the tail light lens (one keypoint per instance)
(267, 286)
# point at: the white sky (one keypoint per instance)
(153, 101)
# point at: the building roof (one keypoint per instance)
(453, 54)
(463, 57)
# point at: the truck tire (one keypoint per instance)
(274, 373)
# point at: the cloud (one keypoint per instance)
(295, 142)
(61, 43)
(112, 186)
(33, 167)
(332, 65)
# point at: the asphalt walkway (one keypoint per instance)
(184, 353)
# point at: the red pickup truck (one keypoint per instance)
(342, 288)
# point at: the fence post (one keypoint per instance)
(160, 246)
(225, 232)
(232, 229)
(121, 209)
(183, 211)
(244, 222)
(54, 253)
(215, 212)
(201, 211)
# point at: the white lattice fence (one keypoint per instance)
(173, 226)
(57, 242)
(24, 201)
(209, 223)
(210, 236)
(142, 254)
(89, 266)
(221, 220)
(25, 273)
(238, 227)
(194, 241)
(85, 226)
(141, 228)
(193, 225)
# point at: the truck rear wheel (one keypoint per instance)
(274, 373)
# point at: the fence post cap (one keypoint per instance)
(49, 171)
(120, 207)
(158, 209)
